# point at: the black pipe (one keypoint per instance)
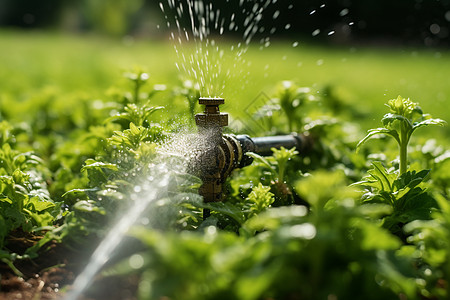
(263, 145)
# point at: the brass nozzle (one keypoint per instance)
(218, 153)
(211, 117)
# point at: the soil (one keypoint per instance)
(50, 275)
(42, 277)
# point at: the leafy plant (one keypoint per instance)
(405, 117)
(403, 194)
(401, 190)
(291, 99)
(277, 167)
(430, 239)
(259, 199)
(94, 159)
(281, 252)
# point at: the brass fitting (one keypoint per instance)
(211, 117)
(219, 154)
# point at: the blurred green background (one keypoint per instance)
(378, 50)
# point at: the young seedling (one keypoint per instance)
(405, 117)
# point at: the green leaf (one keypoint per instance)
(226, 208)
(411, 179)
(37, 205)
(377, 131)
(88, 206)
(379, 178)
(390, 118)
(397, 275)
(79, 191)
(380, 173)
(324, 187)
(416, 205)
(429, 122)
(260, 159)
(92, 164)
(375, 237)
(282, 156)
(134, 130)
(259, 199)
(273, 218)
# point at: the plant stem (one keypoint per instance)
(404, 140)
(403, 158)
(137, 87)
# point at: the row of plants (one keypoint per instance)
(332, 223)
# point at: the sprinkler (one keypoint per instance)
(219, 154)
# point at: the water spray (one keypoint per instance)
(219, 154)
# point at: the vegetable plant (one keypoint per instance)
(401, 191)
(290, 226)
(404, 118)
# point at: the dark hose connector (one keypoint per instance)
(263, 145)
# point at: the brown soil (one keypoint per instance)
(43, 277)
(50, 275)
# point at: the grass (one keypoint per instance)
(88, 65)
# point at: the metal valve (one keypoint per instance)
(220, 154)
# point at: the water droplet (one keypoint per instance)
(322, 6)
(320, 62)
(331, 32)
(295, 44)
(447, 15)
(351, 23)
(136, 261)
(276, 14)
(291, 6)
(287, 26)
(312, 12)
(307, 231)
(435, 28)
(315, 32)
(344, 12)
(211, 230)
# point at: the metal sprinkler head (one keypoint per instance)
(213, 158)
(211, 117)
(220, 154)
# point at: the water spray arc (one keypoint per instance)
(219, 154)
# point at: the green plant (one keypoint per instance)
(430, 239)
(92, 159)
(276, 165)
(258, 200)
(405, 117)
(407, 199)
